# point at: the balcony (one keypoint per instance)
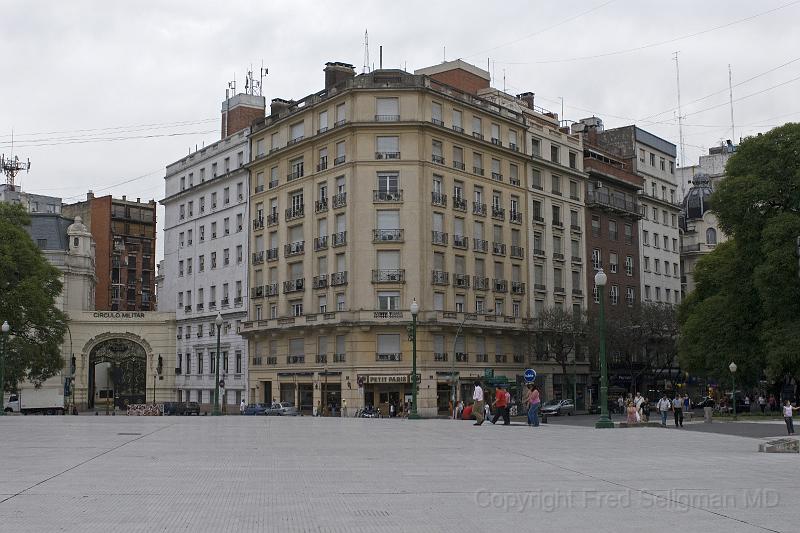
(477, 171)
(339, 160)
(559, 290)
(339, 358)
(387, 235)
(458, 129)
(439, 160)
(459, 241)
(459, 204)
(461, 281)
(480, 245)
(272, 254)
(339, 200)
(498, 213)
(293, 213)
(258, 223)
(514, 181)
(339, 239)
(338, 279)
(295, 359)
(224, 303)
(517, 252)
(439, 199)
(323, 164)
(499, 285)
(294, 248)
(439, 237)
(496, 176)
(440, 357)
(387, 155)
(322, 358)
(558, 256)
(388, 356)
(477, 135)
(557, 223)
(387, 118)
(481, 358)
(257, 292)
(387, 196)
(575, 228)
(258, 257)
(613, 201)
(540, 287)
(577, 260)
(390, 275)
(480, 284)
(497, 141)
(298, 173)
(517, 287)
(295, 140)
(320, 243)
(319, 282)
(272, 219)
(577, 292)
(294, 285)
(479, 209)
(273, 184)
(462, 357)
(199, 307)
(271, 289)
(320, 206)
(273, 360)
(515, 217)
(498, 248)
(539, 252)
(537, 219)
(513, 146)
(500, 358)
(440, 277)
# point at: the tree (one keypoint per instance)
(746, 305)
(29, 287)
(557, 335)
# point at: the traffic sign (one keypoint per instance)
(530, 375)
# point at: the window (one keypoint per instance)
(436, 113)
(646, 264)
(663, 164)
(641, 155)
(658, 294)
(536, 179)
(536, 147)
(628, 234)
(556, 185)
(296, 132)
(496, 133)
(711, 236)
(556, 215)
(573, 190)
(458, 124)
(387, 147)
(612, 230)
(645, 237)
(201, 263)
(629, 265)
(477, 127)
(554, 155)
(612, 262)
(387, 109)
(652, 161)
(387, 182)
(537, 211)
(573, 160)
(657, 266)
(340, 306)
(614, 295)
(340, 113)
(388, 347)
(666, 242)
(595, 226)
(597, 261)
(630, 295)
(655, 240)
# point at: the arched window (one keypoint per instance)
(711, 236)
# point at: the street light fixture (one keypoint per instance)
(600, 280)
(218, 323)
(414, 311)
(5, 328)
(732, 367)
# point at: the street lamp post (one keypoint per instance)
(5, 328)
(414, 310)
(600, 280)
(453, 380)
(732, 368)
(218, 323)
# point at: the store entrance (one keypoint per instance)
(383, 396)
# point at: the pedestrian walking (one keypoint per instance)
(344, 408)
(459, 409)
(391, 410)
(501, 406)
(747, 404)
(534, 403)
(645, 410)
(477, 403)
(242, 407)
(686, 403)
(664, 407)
(620, 405)
(772, 403)
(677, 409)
(631, 412)
(787, 416)
(638, 400)
(762, 403)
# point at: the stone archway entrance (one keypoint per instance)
(117, 373)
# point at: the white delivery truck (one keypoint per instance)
(47, 399)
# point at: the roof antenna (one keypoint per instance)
(366, 52)
(730, 88)
(444, 54)
(680, 126)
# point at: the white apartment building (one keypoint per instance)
(205, 261)
(653, 159)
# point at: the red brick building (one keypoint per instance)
(124, 232)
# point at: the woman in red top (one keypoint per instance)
(501, 406)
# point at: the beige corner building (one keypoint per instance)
(387, 187)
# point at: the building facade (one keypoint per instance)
(204, 271)
(700, 232)
(653, 159)
(124, 233)
(33, 203)
(379, 190)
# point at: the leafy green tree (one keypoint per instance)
(29, 287)
(746, 305)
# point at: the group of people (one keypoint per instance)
(637, 408)
(501, 405)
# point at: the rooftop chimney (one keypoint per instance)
(336, 73)
(239, 111)
(527, 98)
(279, 105)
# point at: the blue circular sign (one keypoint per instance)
(530, 375)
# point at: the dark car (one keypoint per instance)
(256, 409)
(192, 408)
(174, 408)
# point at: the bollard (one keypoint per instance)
(707, 414)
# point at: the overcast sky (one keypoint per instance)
(103, 95)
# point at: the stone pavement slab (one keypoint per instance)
(240, 474)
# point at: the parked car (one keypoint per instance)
(558, 408)
(282, 409)
(174, 408)
(192, 408)
(256, 409)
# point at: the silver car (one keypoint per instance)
(558, 407)
(282, 409)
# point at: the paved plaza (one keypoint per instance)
(240, 474)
